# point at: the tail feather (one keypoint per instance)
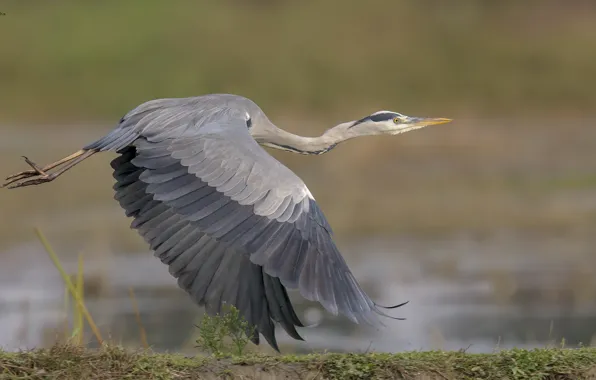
(116, 140)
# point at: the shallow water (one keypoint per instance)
(465, 293)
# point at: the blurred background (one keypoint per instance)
(486, 225)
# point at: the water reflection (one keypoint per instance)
(464, 292)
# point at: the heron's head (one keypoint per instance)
(392, 123)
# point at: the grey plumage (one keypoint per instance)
(233, 224)
(264, 209)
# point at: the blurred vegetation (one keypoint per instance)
(81, 60)
(76, 292)
(517, 77)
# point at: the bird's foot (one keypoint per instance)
(40, 176)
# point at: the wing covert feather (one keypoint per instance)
(287, 234)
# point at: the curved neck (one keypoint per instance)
(290, 142)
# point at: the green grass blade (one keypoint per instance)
(66, 307)
(71, 288)
(142, 332)
(78, 322)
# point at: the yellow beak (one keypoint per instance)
(425, 121)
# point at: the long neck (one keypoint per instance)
(308, 145)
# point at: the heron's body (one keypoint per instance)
(233, 224)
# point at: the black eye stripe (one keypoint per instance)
(382, 116)
(376, 118)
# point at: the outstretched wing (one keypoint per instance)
(207, 176)
(211, 272)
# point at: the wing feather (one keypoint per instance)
(210, 271)
(264, 237)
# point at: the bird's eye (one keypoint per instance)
(396, 120)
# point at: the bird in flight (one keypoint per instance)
(233, 224)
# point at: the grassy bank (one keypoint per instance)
(70, 362)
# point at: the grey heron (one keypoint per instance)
(234, 225)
